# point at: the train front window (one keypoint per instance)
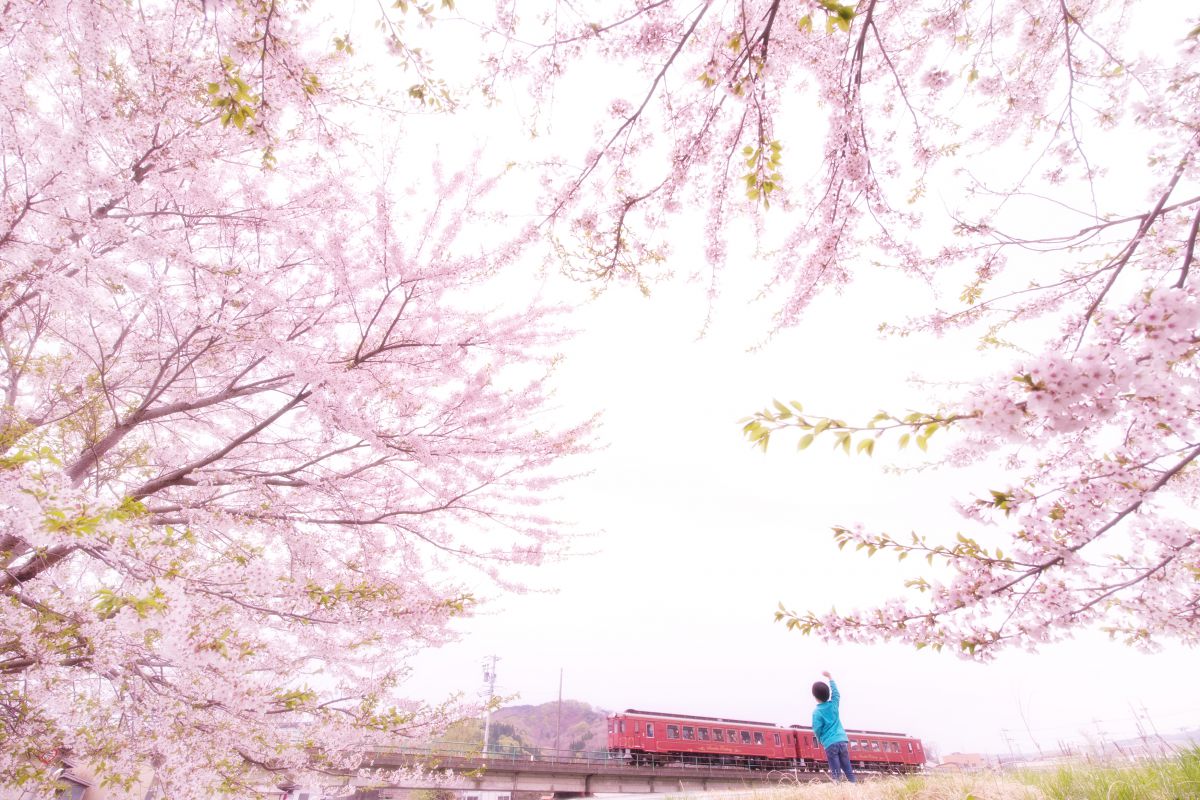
(672, 731)
(689, 732)
(745, 737)
(910, 747)
(778, 741)
(649, 730)
(758, 738)
(702, 734)
(621, 726)
(718, 735)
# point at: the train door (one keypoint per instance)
(651, 733)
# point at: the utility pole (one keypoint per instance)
(1103, 734)
(558, 721)
(1009, 740)
(489, 681)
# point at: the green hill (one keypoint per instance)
(579, 727)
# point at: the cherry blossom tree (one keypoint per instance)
(259, 415)
(1036, 165)
(265, 430)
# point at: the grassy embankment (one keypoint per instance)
(1172, 779)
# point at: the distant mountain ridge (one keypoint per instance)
(576, 726)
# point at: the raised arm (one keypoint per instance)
(834, 695)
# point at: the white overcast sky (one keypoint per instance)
(695, 536)
(699, 536)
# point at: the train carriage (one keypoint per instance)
(652, 737)
(870, 751)
(656, 738)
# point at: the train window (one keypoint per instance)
(621, 726)
(854, 744)
(718, 735)
(745, 737)
(689, 732)
(672, 731)
(611, 726)
(732, 736)
(649, 730)
(702, 734)
(758, 737)
(875, 746)
(910, 747)
(778, 741)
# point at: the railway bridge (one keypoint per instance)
(569, 774)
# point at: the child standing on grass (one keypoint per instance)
(827, 725)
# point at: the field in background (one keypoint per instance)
(1170, 779)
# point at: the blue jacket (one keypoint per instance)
(827, 722)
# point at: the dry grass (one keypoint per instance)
(977, 786)
(1169, 779)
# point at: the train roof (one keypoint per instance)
(664, 715)
(879, 733)
(858, 730)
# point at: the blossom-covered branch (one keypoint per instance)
(260, 440)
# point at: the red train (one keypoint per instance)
(650, 737)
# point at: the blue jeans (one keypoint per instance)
(839, 760)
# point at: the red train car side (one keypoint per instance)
(871, 751)
(651, 737)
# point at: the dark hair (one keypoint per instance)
(821, 691)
